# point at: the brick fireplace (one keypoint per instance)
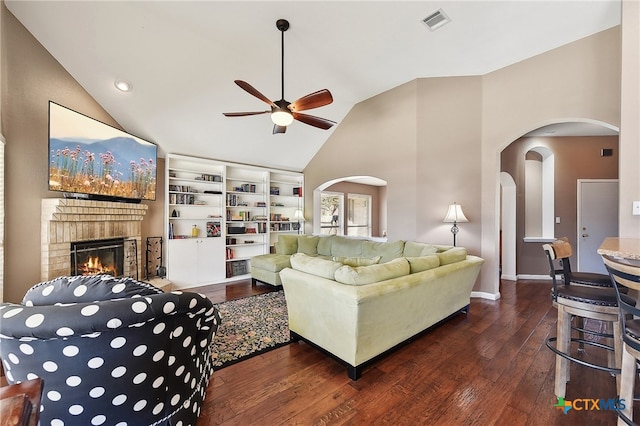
(66, 221)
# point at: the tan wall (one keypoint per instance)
(442, 142)
(377, 138)
(576, 82)
(629, 123)
(31, 77)
(575, 158)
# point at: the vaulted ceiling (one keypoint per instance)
(182, 58)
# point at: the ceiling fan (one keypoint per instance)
(282, 111)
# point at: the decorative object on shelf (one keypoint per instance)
(194, 231)
(283, 112)
(455, 215)
(298, 217)
(213, 229)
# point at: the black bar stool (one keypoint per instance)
(627, 276)
(582, 300)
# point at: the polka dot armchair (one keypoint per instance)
(111, 351)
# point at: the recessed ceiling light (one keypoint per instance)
(123, 85)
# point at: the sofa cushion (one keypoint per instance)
(314, 265)
(308, 244)
(271, 262)
(324, 245)
(287, 244)
(386, 250)
(350, 247)
(414, 249)
(423, 263)
(357, 261)
(374, 273)
(453, 255)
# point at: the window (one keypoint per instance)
(331, 213)
(359, 215)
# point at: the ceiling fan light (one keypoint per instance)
(281, 117)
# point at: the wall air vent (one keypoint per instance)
(436, 20)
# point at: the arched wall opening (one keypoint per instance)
(341, 188)
(574, 147)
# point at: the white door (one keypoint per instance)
(597, 220)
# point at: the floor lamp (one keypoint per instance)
(455, 215)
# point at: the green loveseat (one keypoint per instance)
(357, 298)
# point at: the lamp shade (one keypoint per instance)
(297, 215)
(455, 215)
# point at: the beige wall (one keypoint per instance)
(575, 158)
(31, 77)
(377, 138)
(442, 142)
(576, 82)
(629, 122)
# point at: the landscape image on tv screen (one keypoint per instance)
(87, 156)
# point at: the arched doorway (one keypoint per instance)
(341, 206)
(572, 145)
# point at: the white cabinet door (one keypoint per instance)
(210, 260)
(181, 262)
(195, 261)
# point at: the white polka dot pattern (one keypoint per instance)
(111, 351)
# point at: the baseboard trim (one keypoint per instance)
(509, 277)
(485, 295)
(534, 277)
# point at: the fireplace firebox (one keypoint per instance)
(98, 257)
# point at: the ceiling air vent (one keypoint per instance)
(436, 20)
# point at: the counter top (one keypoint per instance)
(627, 248)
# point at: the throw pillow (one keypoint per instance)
(414, 249)
(314, 265)
(308, 244)
(324, 245)
(371, 274)
(386, 250)
(287, 244)
(357, 261)
(456, 254)
(423, 263)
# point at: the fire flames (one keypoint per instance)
(93, 266)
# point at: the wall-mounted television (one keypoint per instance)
(90, 159)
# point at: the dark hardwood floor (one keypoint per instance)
(488, 367)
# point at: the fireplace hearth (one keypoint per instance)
(67, 221)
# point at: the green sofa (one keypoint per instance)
(357, 299)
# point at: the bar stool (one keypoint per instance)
(581, 301)
(627, 275)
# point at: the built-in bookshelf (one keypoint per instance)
(286, 204)
(219, 215)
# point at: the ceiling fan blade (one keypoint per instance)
(311, 120)
(279, 129)
(252, 91)
(242, 114)
(313, 100)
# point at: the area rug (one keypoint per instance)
(250, 326)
